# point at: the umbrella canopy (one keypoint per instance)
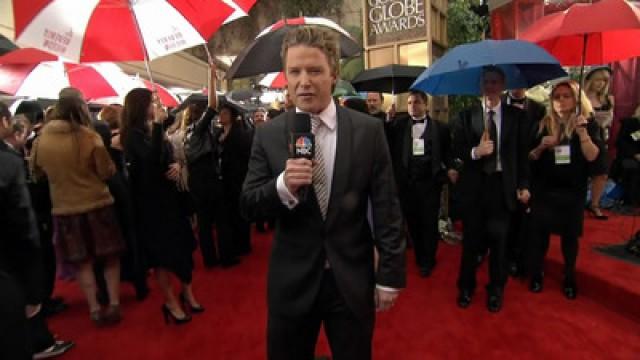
(262, 55)
(459, 71)
(46, 79)
(390, 79)
(26, 56)
(241, 9)
(274, 80)
(589, 34)
(108, 30)
(166, 97)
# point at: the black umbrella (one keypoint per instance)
(263, 54)
(6, 45)
(390, 79)
(203, 100)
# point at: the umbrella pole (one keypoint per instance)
(584, 55)
(144, 48)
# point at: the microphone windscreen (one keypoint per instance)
(302, 123)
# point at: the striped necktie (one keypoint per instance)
(319, 175)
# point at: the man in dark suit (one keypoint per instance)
(21, 264)
(518, 252)
(322, 267)
(495, 174)
(421, 156)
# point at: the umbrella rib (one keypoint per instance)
(144, 48)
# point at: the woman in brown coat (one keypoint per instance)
(77, 164)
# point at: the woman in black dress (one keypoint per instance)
(565, 147)
(162, 221)
(233, 144)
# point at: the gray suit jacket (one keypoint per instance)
(303, 240)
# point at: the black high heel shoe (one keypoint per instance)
(187, 305)
(167, 314)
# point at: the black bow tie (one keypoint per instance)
(421, 121)
(518, 101)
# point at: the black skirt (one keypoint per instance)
(559, 212)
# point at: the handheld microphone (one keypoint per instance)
(302, 144)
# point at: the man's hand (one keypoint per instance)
(523, 196)
(453, 175)
(297, 174)
(637, 157)
(385, 299)
(485, 148)
(391, 113)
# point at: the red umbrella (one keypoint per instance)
(116, 30)
(46, 79)
(26, 56)
(590, 34)
(166, 97)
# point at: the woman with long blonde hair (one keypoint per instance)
(567, 145)
(596, 87)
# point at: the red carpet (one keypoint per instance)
(425, 324)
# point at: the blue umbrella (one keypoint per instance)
(458, 72)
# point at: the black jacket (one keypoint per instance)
(627, 147)
(20, 248)
(303, 240)
(513, 153)
(400, 146)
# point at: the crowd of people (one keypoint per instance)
(111, 196)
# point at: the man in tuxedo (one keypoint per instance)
(495, 174)
(322, 263)
(421, 156)
(518, 251)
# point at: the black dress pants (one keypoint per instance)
(487, 220)
(202, 185)
(14, 329)
(421, 209)
(294, 338)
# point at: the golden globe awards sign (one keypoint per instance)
(393, 20)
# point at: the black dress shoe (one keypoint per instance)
(535, 286)
(514, 269)
(494, 303)
(229, 263)
(426, 270)
(570, 291)
(464, 299)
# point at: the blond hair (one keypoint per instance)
(316, 37)
(590, 79)
(552, 122)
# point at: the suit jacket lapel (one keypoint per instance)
(341, 173)
(477, 120)
(433, 130)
